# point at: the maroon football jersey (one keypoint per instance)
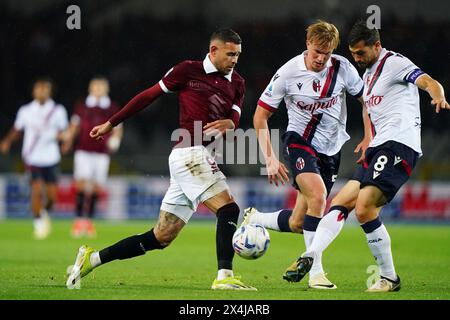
(89, 118)
(203, 96)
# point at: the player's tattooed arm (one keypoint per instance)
(435, 90)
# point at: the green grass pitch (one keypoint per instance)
(31, 269)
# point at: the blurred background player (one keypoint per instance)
(313, 86)
(392, 100)
(42, 122)
(211, 95)
(91, 157)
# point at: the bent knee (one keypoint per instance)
(364, 211)
(317, 202)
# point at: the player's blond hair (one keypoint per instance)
(323, 33)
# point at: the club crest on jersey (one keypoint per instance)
(316, 85)
(300, 163)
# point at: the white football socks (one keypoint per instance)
(327, 230)
(94, 259)
(267, 219)
(380, 244)
(317, 264)
(224, 273)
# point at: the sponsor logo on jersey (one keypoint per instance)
(318, 104)
(316, 85)
(299, 86)
(198, 85)
(300, 163)
(275, 77)
(373, 101)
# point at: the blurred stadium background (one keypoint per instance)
(133, 43)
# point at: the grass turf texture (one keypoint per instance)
(31, 269)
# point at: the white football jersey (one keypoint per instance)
(315, 101)
(41, 125)
(392, 100)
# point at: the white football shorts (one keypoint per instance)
(194, 178)
(91, 166)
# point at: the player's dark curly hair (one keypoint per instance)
(360, 32)
(226, 35)
(45, 79)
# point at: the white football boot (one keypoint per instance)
(320, 281)
(385, 285)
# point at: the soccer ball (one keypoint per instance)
(251, 241)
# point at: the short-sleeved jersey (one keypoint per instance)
(315, 101)
(41, 125)
(392, 100)
(89, 113)
(204, 94)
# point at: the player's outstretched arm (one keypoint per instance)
(136, 104)
(276, 171)
(435, 90)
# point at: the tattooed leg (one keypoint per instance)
(165, 231)
(168, 227)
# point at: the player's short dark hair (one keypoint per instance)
(43, 79)
(47, 80)
(226, 35)
(99, 77)
(360, 32)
